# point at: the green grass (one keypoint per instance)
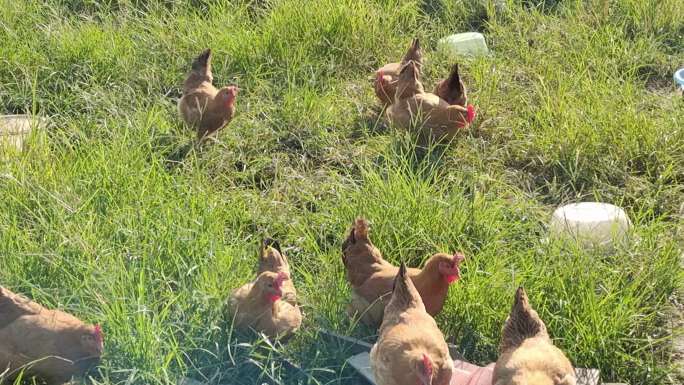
(111, 215)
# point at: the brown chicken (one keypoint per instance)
(452, 90)
(371, 276)
(411, 349)
(430, 115)
(269, 303)
(386, 76)
(48, 344)
(528, 355)
(203, 106)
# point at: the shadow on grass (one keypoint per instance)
(370, 122)
(174, 149)
(407, 153)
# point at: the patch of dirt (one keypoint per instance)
(660, 86)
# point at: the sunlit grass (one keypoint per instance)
(114, 215)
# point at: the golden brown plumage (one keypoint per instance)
(202, 106)
(49, 344)
(259, 306)
(427, 113)
(387, 75)
(527, 354)
(269, 303)
(371, 276)
(411, 349)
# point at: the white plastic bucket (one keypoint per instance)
(592, 224)
(466, 44)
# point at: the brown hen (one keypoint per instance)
(386, 76)
(48, 344)
(269, 303)
(411, 349)
(371, 276)
(259, 306)
(431, 116)
(202, 105)
(528, 355)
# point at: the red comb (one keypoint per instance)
(471, 113)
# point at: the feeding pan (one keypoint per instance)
(465, 44)
(14, 129)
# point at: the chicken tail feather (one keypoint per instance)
(404, 293)
(270, 242)
(522, 323)
(202, 63)
(200, 73)
(414, 53)
(409, 82)
(455, 79)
